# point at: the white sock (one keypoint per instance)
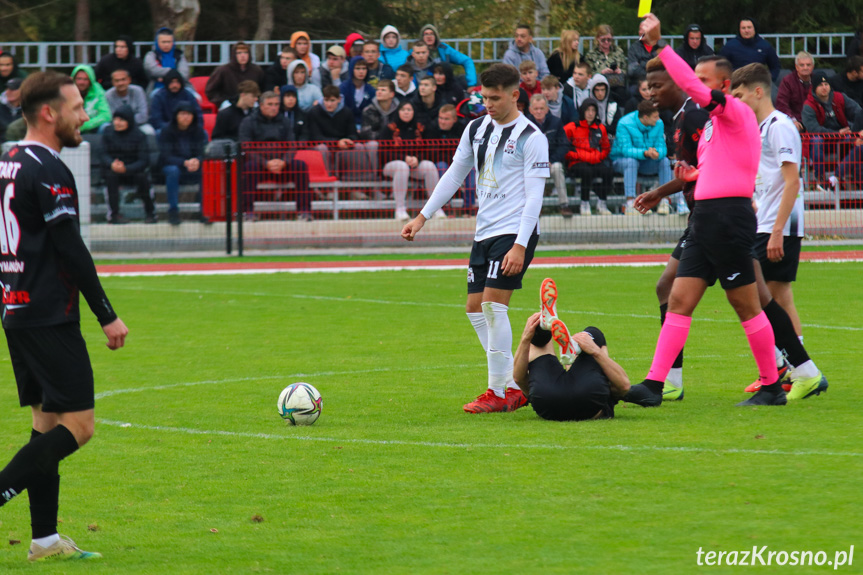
(47, 541)
(499, 346)
(477, 320)
(806, 370)
(510, 381)
(675, 377)
(780, 357)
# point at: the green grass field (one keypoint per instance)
(395, 478)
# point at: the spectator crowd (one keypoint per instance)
(372, 105)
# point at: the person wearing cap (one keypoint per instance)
(693, 46)
(230, 117)
(93, 94)
(121, 59)
(223, 82)
(334, 70)
(125, 93)
(10, 105)
(181, 144)
(277, 73)
(392, 53)
(125, 159)
(164, 102)
(164, 57)
(377, 70)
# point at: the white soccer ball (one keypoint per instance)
(300, 404)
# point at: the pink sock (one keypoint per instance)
(761, 342)
(672, 338)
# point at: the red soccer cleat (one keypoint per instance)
(488, 402)
(784, 379)
(515, 399)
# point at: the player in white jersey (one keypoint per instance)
(780, 217)
(510, 155)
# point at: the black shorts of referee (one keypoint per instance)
(582, 392)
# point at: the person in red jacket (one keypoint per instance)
(589, 157)
(794, 89)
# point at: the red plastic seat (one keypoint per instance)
(209, 124)
(315, 162)
(199, 83)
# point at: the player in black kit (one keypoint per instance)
(43, 266)
(689, 121)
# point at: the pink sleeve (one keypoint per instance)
(684, 77)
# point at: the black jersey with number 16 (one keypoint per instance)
(38, 191)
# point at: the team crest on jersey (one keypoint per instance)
(708, 130)
(510, 147)
(495, 139)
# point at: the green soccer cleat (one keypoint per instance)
(803, 388)
(672, 393)
(61, 550)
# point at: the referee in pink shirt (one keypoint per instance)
(723, 227)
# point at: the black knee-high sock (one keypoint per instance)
(783, 330)
(44, 494)
(540, 337)
(663, 309)
(39, 458)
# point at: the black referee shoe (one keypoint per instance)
(767, 395)
(642, 394)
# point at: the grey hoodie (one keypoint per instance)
(308, 93)
(375, 119)
(514, 56)
(607, 113)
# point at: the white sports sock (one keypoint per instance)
(477, 320)
(499, 346)
(675, 377)
(806, 370)
(510, 381)
(44, 542)
(780, 357)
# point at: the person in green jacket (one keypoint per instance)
(95, 103)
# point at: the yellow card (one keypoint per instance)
(643, 8)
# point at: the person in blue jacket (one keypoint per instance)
(749, 47)
(639, 148)
(441, 52)
(392, 52)
(356, 92)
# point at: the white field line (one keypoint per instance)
(508, 446)
(651, 317)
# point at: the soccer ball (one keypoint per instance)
(300, 404)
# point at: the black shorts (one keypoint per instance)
(52, 367)
(681, 243)
(486, 259)
(581, 393)
(720, 243)
(784, 270)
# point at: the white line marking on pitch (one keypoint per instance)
(730, 451)
(651, 317)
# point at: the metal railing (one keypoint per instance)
(44, 55)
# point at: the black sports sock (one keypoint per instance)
(653, 385)
(663, 309)
(44, 494)
(540, 337)
(783, 331)
(40, 457)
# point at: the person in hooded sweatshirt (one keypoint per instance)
(95, 103)
(267, 124)
(522, 48)
(588, 158)
(164, 57)
(442, 52)
(749, 47)
(578, 87)
(354, 45)
(452, 90)
(277, 72)
(392, 52)
(426, 101)
(125, 160)
(693, 46)
(609, 111)
(292, 113)
(302, 45)
(356, 92)
(181, 147)
(308, 93)
(121, 59)
(223, 82)
(831, 118)
(420, 61)
(164, 102)
(334, 70)
(380, 111)
(9, 69)
(403, 157)
(229, 118)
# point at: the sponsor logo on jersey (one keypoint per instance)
(8, 170)
(15, 297)
(786, 151)
(540, 165)
(495, 139)
(708, 130)
(479, 141)
(60, 191)
(12, 267)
